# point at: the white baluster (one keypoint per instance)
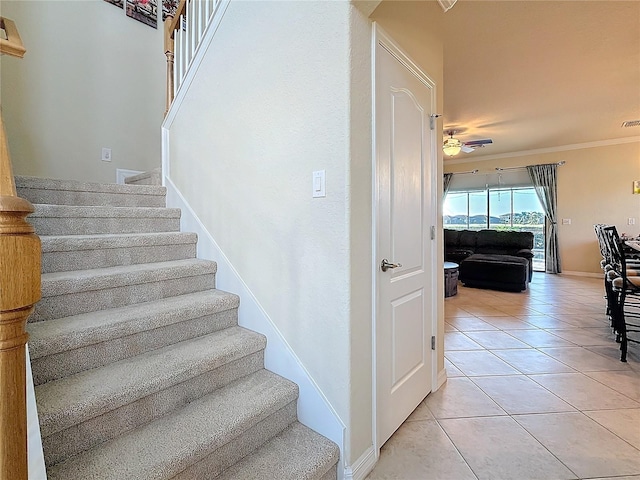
(201, 20)
(177, 60)
(183, 49)
(193, 22)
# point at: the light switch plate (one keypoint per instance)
(106, 154)
(319, 184)
(566, 221)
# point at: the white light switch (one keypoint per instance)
(319, 184)
(566, 221)
(106, 154)
(631, 221)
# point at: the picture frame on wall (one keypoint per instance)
(636, 187)
(169, 8)
(145, 11)
(117, 3)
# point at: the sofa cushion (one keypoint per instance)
(497, 241)
(467, 240)
(451, 238)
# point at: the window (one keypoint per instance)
(499, 209)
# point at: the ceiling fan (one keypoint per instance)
(452, 146)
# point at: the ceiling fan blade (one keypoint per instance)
(482, 141)
(466, 149)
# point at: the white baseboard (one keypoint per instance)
(442, 378)
(122, 173)
(361, 467)
(314, 410)
(582, 274)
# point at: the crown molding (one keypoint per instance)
(562, 148)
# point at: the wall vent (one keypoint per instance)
(631, 123)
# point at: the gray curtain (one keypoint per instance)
(544, 179)
(445, 184)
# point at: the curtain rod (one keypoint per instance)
(462, 173)
(520, 168)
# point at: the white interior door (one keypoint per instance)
(405, 211)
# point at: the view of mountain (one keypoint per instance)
(520, 218)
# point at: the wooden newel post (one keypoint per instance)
(19, 291)
(170, 54)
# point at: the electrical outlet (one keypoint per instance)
(106, 154)
(566, 221)
(631, 221)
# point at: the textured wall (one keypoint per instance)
(92, 77)
(270, 105)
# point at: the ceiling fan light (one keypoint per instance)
(452, 147)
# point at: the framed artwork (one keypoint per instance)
(169, 7)
(636, 187)
(117, 3)
(145, 11)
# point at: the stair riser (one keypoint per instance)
(213, 464)
(332, 474)
(58, 306)
(66, 197)
(69, 362)
(106, 225)
(112, 257)
(63, 444)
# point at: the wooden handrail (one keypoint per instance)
(19, 291)
(180, 10)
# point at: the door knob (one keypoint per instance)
(385, 265)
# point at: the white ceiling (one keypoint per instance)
(541, 74)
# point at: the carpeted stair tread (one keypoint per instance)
(71, 243)
(165, 447)
(69, 333)
(80, 291)
(72, 400)
(73, 192)
(78, 252)
(297, 453)
(74, 281)
(88, 220)
(99, 211)
(79, 186)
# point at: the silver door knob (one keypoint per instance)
(385, 265)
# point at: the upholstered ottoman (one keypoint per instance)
(498, 272)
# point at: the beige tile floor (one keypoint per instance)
(535, 390)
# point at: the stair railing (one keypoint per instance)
(19, 291)
(183, 32)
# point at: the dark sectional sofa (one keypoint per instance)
(501, 260)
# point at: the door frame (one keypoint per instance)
(380, 36)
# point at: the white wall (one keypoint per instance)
(359, 179)
(271, 104)
(91, 78)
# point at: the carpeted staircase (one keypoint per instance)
(141, 369)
